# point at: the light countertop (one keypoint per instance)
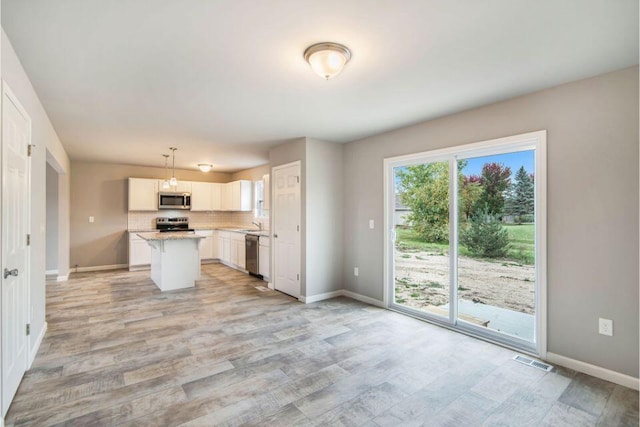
(177, 235)
(234, 229)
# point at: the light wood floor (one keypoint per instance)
(119, 352)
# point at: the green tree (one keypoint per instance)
(425, 190)
(495, 181)
(470, 189)
(522, 200)
(485, 236)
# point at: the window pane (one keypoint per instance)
(421, 221)
(496, 243)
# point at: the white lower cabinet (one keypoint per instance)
(208, 245)
(231, 249)
(139, 252)
(264, 257)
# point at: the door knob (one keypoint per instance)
(8, 272)
(275, 236)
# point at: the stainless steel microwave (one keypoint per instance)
(174, 201)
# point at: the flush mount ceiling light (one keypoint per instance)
(327, 59)
(173, 181)
(204, 167)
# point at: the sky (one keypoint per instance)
(512, 160)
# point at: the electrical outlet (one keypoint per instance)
(371, 224)
(91, 219)
(356, 272)
(605, 327)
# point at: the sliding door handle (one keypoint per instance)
(8, 272)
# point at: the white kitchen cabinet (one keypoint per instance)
(143, 194)
(238, 250)
(225, 197)
(240, 197)
(231, 248)
(216, 196)
(264, 257)
(208, 245)
(182, 187)
(266, 192)
(202, 196)
(139, 252)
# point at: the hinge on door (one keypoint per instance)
(298, 179)
(28, 328)
(298, 276)
(297, 228)
(29, 149)
(28, 239)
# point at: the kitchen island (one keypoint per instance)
(175, 259)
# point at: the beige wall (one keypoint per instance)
(47, 144)
(100, 190)
(253, 174)
(592, 172)
(51, 257)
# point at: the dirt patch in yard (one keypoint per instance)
(422, 280)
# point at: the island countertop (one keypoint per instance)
(176, 235)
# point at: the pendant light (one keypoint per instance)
(327, 59)
(173, 181)
(165, 183)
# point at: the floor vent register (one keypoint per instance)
(535, 363)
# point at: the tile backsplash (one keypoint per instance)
(146, 220)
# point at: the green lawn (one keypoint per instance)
(522, 238)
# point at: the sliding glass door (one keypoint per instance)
(465, 244)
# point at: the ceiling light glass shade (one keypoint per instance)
(205, 167)
(327, 59)
(173, 181)
(165, 185)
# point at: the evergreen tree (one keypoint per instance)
(522, 201)
(485, 236)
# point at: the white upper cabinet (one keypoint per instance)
(143, 194)
(202, 196)
(225, 197)
(240, 199)
(182, 187)
(216, 196)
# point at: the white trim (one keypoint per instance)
(100, 268)
(528, 141)
(320, 297)
(51, 272)
(595, 371)
(272, 223)
(62, 278)
(270, 285)
(362, 298)
(340, 293)
(36, 346)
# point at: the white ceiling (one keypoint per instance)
(223, 81)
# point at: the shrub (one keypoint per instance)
(484, 236)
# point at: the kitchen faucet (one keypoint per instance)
(258, 224)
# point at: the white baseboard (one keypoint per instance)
(270, 285)
(62, 278)
(594, 371)
(51, 272)
(36, 346)
(100, 268)
(320, 297)
(341, 293)
(363, 298)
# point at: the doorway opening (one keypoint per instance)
(465, 242)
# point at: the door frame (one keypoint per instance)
(536, 140)
(273, 223)
(6, 91)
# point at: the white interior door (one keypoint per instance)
(16, 130)
(286, 229)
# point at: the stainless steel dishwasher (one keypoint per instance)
(251, 246)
